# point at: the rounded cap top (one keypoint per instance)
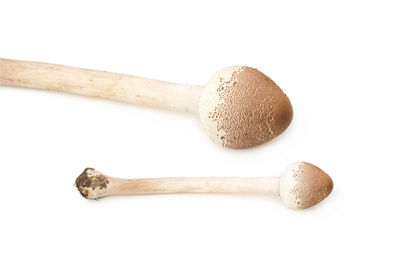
(241, 107)
(303, 185)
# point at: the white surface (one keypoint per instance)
(338, 63)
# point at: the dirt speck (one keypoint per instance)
(90, 179)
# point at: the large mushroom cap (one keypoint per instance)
(241, 107)
(303, 185)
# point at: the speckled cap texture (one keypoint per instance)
(303, 185)
(240, 107)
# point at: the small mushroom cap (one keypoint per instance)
(303, 185)
(241, 107)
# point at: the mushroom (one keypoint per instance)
(240, 107)
(300, 186)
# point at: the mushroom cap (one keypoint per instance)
(303, 185)
(241, 107)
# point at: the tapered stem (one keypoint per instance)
(102, 84)
(193, 185)
(93, 184)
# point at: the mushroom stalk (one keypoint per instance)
(120, 87)
(194, 185)
(102, 185)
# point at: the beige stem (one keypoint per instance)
(102, 84)
(192, 185)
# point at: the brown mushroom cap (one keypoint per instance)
(303, 185)
(241, 107)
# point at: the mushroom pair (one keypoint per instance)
(239, 107)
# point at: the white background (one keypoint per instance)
(339, 63)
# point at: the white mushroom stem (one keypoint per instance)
(193, 185)
(102, 84)
(93, 184)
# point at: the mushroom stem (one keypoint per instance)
(102, 84)
(194, 185)
(93, 184)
